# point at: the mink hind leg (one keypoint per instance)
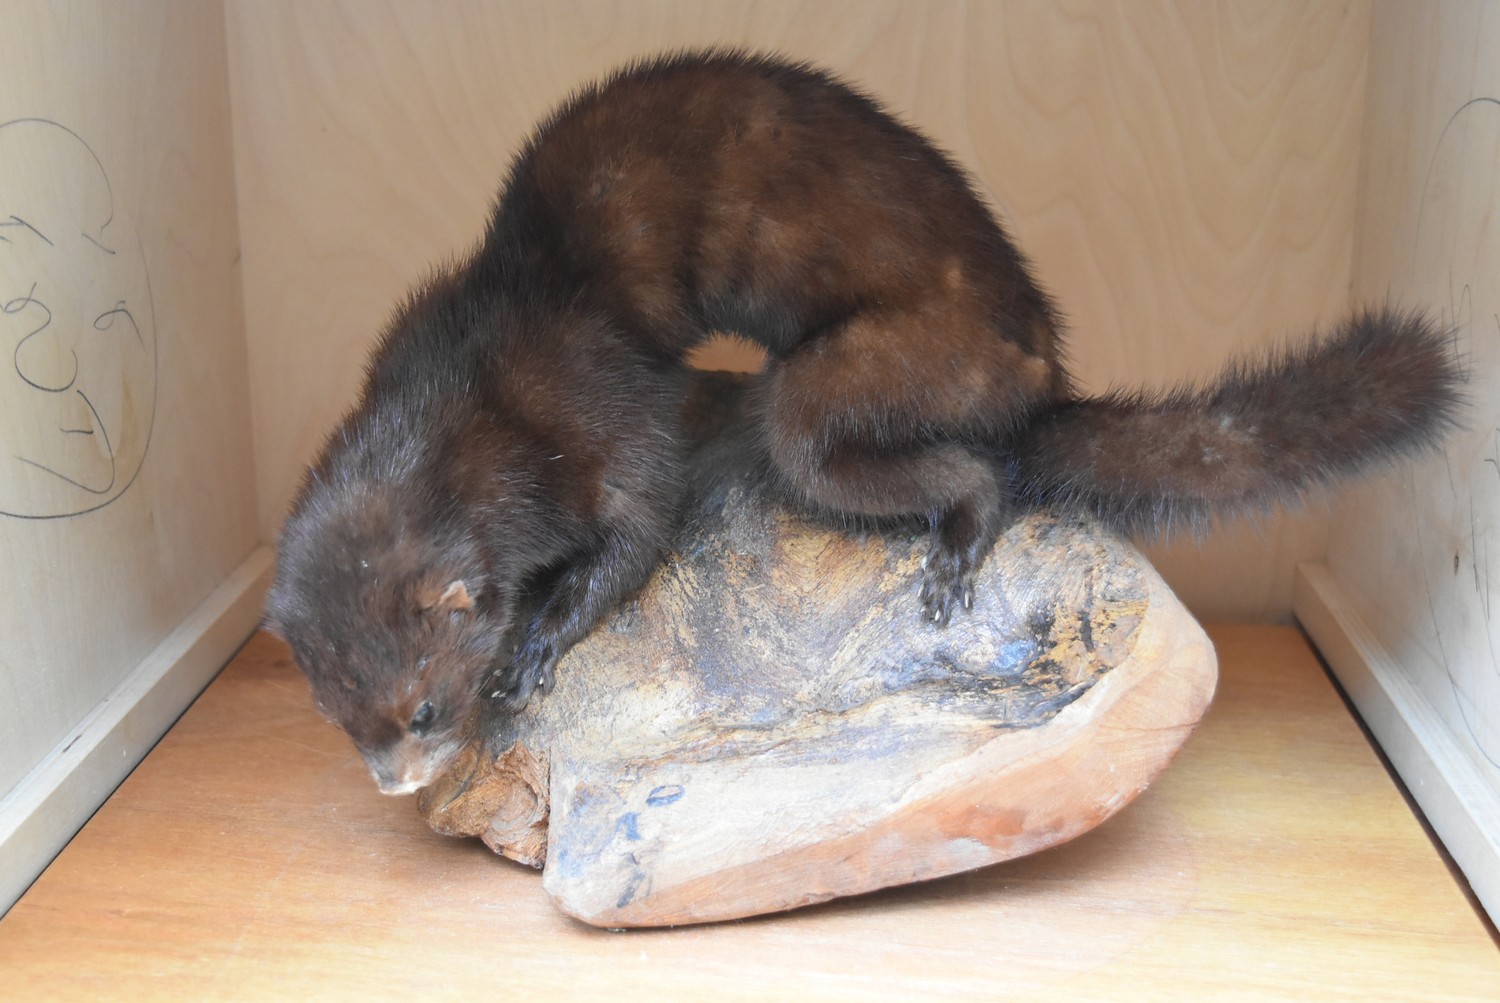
(960, 492)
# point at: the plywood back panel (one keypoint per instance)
(1182, 176)
(126, 487)
(1416, 557)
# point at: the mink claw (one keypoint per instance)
(531, 670)
(517, 697)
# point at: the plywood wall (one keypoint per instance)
(126, 488)
(1414, 560)
(1181, 174)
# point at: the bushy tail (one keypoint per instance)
(1383, 385)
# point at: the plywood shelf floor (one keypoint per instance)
(249, 856)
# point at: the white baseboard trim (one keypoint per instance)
(53, 801)
(1414, 737)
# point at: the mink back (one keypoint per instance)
(724, 191)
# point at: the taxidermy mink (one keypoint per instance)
(517, 445)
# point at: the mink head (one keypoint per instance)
(395, 621)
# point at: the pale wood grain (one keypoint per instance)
(1414, 557)
(83, 600)
(1181, 174)
(42, 812)
(1430, 751)
(250, 857)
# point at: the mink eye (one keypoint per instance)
(422, 719)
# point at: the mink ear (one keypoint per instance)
(451, 598)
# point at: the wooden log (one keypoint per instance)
(769, 723)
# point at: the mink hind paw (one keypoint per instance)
(947, 583)
(961, 537)
(531, 669)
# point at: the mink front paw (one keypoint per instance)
(531, 668)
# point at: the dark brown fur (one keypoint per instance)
(519, 433)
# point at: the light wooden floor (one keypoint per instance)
(250, 857)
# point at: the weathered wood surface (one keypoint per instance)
(770, 724)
